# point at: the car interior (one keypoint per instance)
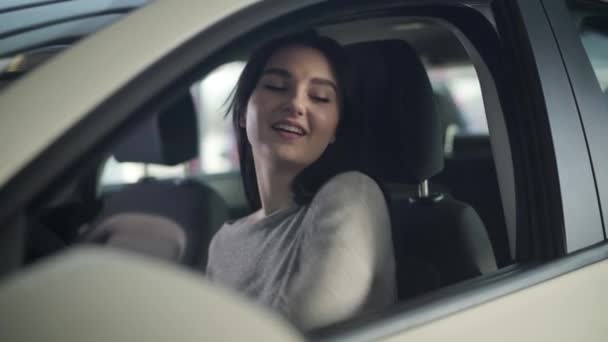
(157, 192)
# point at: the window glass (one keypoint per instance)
(594, 36)
(217, 148)
(590, 20)
(115, 172)
(459, 98)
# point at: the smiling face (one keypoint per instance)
(293, 112)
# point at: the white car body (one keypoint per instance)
(38, 109)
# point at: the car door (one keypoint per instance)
(564, 306)
(556, 225)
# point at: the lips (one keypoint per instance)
(289, 127)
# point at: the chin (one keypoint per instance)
(290, 160)
(290, 156)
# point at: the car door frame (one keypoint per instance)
(591, 103)
(581, 221)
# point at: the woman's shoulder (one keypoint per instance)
(351, 186)
(350, 209)
(352, 177)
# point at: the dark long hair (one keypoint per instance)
(335, 158)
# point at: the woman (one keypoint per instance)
(317, 247)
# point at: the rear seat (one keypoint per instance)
(171, 220)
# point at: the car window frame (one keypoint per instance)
(591, 104)
(561, 133)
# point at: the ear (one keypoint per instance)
(242, 121)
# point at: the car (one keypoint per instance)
(90, 92)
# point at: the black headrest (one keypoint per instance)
(170, 137)
(394, 101)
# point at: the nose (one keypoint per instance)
(297, 103)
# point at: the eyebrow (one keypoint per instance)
(286, 74)
(323, 81)
(277, 71)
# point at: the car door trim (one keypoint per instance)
(451, 300)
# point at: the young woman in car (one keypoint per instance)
(318, 245)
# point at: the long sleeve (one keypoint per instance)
(346, 257)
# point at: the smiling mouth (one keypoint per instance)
(287, 128)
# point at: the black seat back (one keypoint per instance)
(438, 240)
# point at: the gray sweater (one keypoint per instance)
(316, 264)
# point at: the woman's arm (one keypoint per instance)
(347, 246)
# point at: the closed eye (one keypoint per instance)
(274, 87)
(320, 99)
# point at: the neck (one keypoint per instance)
(274, 186)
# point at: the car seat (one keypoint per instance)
(438, 240)
(169, 219)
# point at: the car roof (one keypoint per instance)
(27, 24)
